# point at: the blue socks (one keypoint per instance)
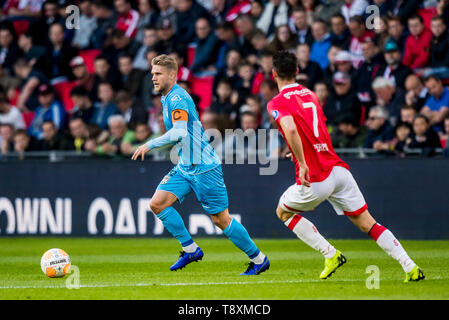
(240, 237)
(173, 222)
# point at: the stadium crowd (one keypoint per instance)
(381, 79)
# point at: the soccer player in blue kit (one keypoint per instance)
(198, 169)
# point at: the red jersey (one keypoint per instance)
(303, 105)
(127, 22)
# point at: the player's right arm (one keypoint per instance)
(294, 141)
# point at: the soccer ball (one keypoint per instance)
(55, 263)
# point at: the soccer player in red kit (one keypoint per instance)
(320, 174)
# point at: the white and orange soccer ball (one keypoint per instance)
(55, 263)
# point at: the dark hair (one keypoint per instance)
(249, 113)
(416, 16)
(79, 91)
(357, 19)
(438, 17)
(224, 25)
(101, 57)
(349, 119)
(125, 55)
(432, 76)
(270, 84)
(225, 81)
(419, 115)
(339, 15)
(20, 132)
(49, 121)
(285, 65)
(403, 124)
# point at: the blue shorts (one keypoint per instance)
(209, 188)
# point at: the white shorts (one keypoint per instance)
(340, 189)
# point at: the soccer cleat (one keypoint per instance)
(332, 264)
(185, 258)
(415, 275)
(255, 269)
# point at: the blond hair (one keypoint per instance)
(165, 61)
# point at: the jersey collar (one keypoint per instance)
(288, 86)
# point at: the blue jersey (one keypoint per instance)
(195, 153)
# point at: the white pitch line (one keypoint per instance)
(173, 284)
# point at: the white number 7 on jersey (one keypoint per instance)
(315, 117)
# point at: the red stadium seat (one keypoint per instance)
(427, 14)
(203, 87)
(89, 57)
(190, 55)
(20, 26)
(28, 118)
(63, 91)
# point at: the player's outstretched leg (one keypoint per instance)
(387, 241)
(161, 205)
(237, 233)
(307, 232)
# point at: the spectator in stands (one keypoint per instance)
(35, 54)
(118, 134)
(131, 77)
(225, 33)
(328, 73)
(321, 44)
(147, 17)
(142, 134)
(274, 15)
(389, 97)
(283, 39)
(254, 105)
(9, 51)
(353, 8)
(106, 21)
(88, 21)
(340, 35)
(394, 70)
(423, 137)
(166, 11)
(166, 35)
(408, 114)
(268, 90)
(307, 67)
(322, 92)
(230, 69)
(257, 8)
(7, 138)
(444, 137)
(349, 134)
(9, 83)
(49, 109)
(259, 41)
(51, 138)
(148, 94)
(184, 73)
(245, 28)
(342, 100)
(246, 74)
(381, 35)
(60, 52)
(121, 44)
(397, 33)
(150, 40)
(83, 106)
(39, 27)
(299, 26)
(265, 63)
(23, 143)
(380, 130)
(416, 93)
(402, 132)
(78, 136)
(103, 71)
(439, 47)
(10, 115)
(359, 34)
(437, 105)
(105, 108)
(416, 53)
(81, 74)
(128, 18)
(222, 103)
(374, 61)
(207, 47)
(188, 12)
(131, 109)
(343, 64)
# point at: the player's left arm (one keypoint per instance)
(172, 136)
(294, 141)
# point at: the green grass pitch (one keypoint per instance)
(131, 268)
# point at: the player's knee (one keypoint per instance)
(157, 206)
(282, 215)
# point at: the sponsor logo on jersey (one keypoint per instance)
(321, 147)
(302, 92)
(275, 114)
